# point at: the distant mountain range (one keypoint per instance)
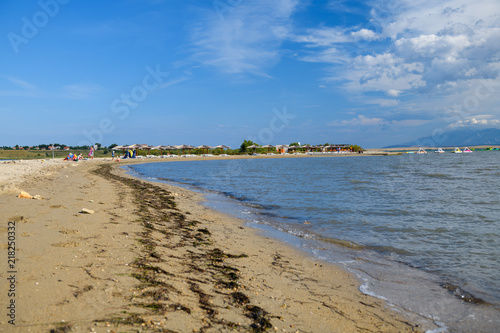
(458, 137)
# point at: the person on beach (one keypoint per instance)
(112, 155)
(91, 153)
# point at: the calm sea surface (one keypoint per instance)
(422, 231)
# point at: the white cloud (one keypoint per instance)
(21, 83)
(361, 120)
(329, 55)
(383, 102)
(424, 17)
(433, 53)
(382, 72)
(479, 120)
(324, 37)
(72, 91)
(393, 92)
(365, 34)
(244, 38)
(21, 88)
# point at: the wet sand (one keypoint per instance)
(151, 258)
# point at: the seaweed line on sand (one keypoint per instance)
(207, 269)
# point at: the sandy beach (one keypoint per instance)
(149, 257)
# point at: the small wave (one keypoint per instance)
(300, 234)
(356, 181)
(462, 294)
(365, 289)
(484, 202)
(165, 179)
(390, 212)
(342, 242)
(389, 249)
(438, 175)
(384, 228)
(441, 329)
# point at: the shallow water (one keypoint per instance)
(402, 224)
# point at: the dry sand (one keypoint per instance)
(152, 259)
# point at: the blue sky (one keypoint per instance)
(372, 73)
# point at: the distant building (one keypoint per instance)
(66, 148)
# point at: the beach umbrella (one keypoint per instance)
(161, 148)
(268, 147)
(170, 148)
(204, 147)
(122, 147)
(179, 147)
(135, 146)
(146, 147)
(222, 147)
(188, 147)
(253, 147)
(183, 147)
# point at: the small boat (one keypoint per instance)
(421, 151)
(467, 150)
(457, 150)
(439, 151)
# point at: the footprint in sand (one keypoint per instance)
(57, 206)
(69, 232)
(66, 244)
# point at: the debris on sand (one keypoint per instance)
(25, 195)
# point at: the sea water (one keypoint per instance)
(420, 231)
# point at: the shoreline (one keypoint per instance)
(151, 256)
